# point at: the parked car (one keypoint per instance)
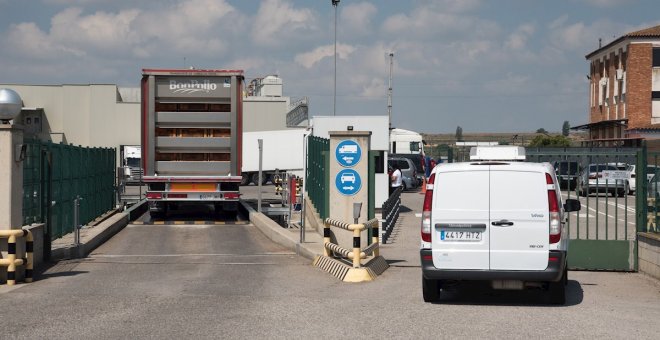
(408, 172)
(650, 172)
(591, 180)
(417, 160)
(567, 173)
(495, 221)
(626, 168)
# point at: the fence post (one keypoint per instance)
(641, 194)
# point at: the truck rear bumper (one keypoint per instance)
(552, 273)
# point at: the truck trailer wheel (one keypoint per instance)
(245, 178)
(255, 178)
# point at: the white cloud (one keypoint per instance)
(309, 59)
(518, 39)
(277, 20)
(355, 18)
(431, 23)
(188, 26)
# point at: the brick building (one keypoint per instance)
(624, 90)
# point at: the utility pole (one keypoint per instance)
(389, 92)
(335, 3)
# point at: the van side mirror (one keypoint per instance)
(572, 205)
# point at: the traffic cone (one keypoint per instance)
(423, 186)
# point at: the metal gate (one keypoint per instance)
(318, 165)
(603, 235)
(55, 174)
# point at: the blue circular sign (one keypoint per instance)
(348, 153)
(348, 182)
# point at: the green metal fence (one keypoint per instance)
(318, 172)
(55, 174)
(649, 216)
(602, 236)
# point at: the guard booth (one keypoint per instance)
(349, 185)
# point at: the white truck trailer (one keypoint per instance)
(283, 151)
(192, 137)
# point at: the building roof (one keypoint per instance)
(648, 127)
(650, 32)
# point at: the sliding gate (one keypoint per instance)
(603, 235)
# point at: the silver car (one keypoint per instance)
(591, 180)
(408, 171)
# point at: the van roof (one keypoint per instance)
(513, 166)
(497, 153)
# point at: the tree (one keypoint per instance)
(565, 129)
(459, 133)
(541, 130)
(557, 141)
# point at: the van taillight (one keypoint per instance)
(553, 207)
(426, 210)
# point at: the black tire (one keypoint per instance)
(245, 178)
(430, 290)
(622, 193)
(255, 178)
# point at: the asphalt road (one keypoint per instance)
(229, 281)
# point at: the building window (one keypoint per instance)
(656, 57)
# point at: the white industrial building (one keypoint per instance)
(105, 115)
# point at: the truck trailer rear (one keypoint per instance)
(191, 138)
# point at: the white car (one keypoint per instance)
(497, 221)
(650, 172)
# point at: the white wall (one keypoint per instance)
(86, 115)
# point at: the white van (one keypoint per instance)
(495, 220)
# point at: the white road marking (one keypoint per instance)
(418, 214)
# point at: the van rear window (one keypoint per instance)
(464, 190)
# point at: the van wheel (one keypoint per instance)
(430, 290)
(557, 290)
(622, 193)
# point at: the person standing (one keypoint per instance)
(396, 179)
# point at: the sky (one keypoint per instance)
(483, 65)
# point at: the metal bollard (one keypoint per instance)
(374, 238)
(11, 256)
(326, 239)
(356, 248)
(29, 250)
(76, 220)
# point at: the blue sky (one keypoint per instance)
(487, 66)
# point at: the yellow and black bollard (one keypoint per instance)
(29, 254)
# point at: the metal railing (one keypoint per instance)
(318, 165)
(55, 174)
(390, 214)
(11, 262)
(357, 254)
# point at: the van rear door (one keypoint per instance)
(519, 219)
(459, 219)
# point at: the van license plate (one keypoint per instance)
(460, 235)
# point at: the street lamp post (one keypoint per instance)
(335, 3)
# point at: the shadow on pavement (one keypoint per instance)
(481, 293)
